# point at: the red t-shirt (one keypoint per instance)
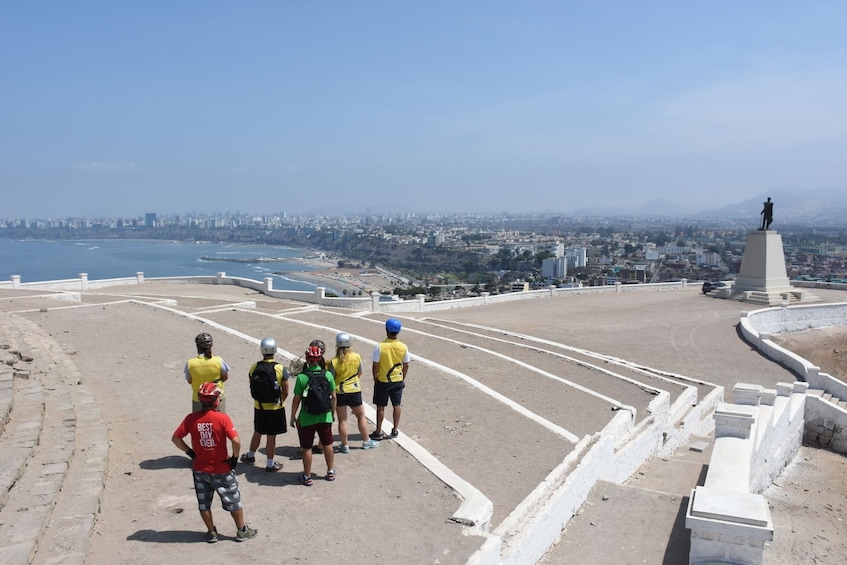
(209, 431)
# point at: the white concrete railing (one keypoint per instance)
(374, 302)
(819, 284)
(826, 422)
(613, 454)
(755, 439)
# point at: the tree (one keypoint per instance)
(542, 255)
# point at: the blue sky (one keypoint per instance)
(120, 108)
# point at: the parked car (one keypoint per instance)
(709, 286)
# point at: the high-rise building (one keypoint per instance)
(558, 249)
(554, 268)
(577, 257)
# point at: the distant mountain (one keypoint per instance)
(814, 206)
(825, 206)
(649, 208)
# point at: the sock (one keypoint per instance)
(251, 454)
(270, 462)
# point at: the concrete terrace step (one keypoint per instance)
(489, 368)
(60, 436)
(13, 363)
(615, 382)
(6, 385)
(19, 437)
(22, 517)
(650, 379)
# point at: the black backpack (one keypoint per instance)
(263, 384)
(318, 393)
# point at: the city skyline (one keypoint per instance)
(112, 110)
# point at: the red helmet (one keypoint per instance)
(313, 354)
(210, 394)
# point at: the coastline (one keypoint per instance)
(309, 268)
(345, 281)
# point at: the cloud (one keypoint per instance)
(103, 167)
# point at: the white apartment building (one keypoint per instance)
(558, 249)
(577, 257)
(651, 253)
(708, 258)
(553, 268)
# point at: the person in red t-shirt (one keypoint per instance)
(214, 470)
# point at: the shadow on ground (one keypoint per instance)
(166, 462)
(167, 536)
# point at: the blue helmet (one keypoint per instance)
(393, 326)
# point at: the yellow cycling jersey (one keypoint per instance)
(391, 354)
(203, 370)
(347, 373)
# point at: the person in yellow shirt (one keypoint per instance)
(205, 368)
(346, 368)
(390, 365)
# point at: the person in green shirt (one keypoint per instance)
(310, 420)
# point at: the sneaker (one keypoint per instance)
(246, 533)
(341, 449)
(212, 535)
(245, 458)
(273, 469)
(377, 436)
(370, 444)
(395, 433)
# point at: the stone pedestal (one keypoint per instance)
(763, 266)
(763, 278)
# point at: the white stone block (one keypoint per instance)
(730, 506)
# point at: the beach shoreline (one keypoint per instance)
(346, 281)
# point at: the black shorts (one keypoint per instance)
(269, 422)
(351, 399)
(385, 391)
(306, 435)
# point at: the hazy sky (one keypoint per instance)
(121, 108)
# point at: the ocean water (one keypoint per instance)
(37, 260)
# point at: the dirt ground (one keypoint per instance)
(826, 348)
(798, 498)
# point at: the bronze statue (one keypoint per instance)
(767, 214)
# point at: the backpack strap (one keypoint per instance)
(391, 370)
(340, 383)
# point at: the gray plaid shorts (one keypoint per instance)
(206, 485)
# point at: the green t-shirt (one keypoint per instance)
(304, 417)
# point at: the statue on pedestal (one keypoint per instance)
(767, 214)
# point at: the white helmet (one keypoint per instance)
(268, 346)
(342, 340)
